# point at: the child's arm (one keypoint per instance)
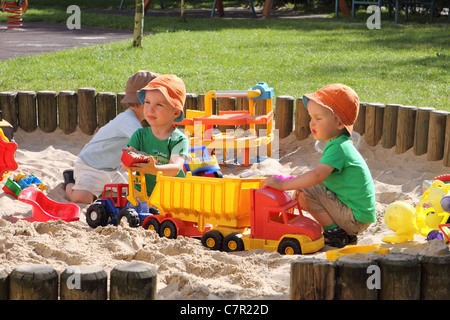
(171, 169)
(308, 179)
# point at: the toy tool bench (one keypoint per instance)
(199, 124)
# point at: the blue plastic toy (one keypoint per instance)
(200, 163)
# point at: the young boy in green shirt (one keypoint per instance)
(163, 100)
(339, 193)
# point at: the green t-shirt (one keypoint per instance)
(144, 140)
(351, 180)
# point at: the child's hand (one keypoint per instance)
(273, 182)
(145, 167)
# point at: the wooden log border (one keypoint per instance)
(394, 276)
(128, 281)
(424, 130)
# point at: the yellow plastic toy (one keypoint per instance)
(401, 217)
(398, 217)
(352, 249)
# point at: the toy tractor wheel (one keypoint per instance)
(19, 176)
(168, 230)
(131, 215)
(96, 215)
(289, 247)
(233, 242)
(153, 210)
(152, 224)
(213, 240)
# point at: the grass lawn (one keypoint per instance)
(404, 64)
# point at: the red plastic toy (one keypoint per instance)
(45, 209)
(7, 161)
(131, 157)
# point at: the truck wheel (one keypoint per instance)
(96, 215)
(233, 242)
(289, 247)
(213, 240)
(131, 215)
(152, 224)
(168, 230)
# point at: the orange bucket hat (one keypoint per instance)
(340, 99)
(172, 88)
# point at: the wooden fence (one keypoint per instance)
(425, 130)
(128, 281)
(393, 276)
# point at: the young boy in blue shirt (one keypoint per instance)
(163, 100)
(99, 161)
(339, 193)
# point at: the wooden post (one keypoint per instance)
(360, 122)
(4, 284)
(133, 281)
(284, 115)
(400, 277)
(405, 129)
(446, 159)
(434, 279)
(87, 112)
(83, 282)
(138, 24)
(374, 123)
(33, 282)
(106, 107)
(302, 119)
(225, 104)
(47, 111)
(312, 279)
(191, 102)
(68, 111)
(121, 107)
(27, 110)
(421, 128)
(351, 279)
(389, 125)
(436, 135)
(8, 105)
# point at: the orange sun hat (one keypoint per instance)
(340, 99)
(172, 88)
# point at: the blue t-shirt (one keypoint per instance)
(104, 150)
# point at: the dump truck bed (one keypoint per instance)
(204, 200)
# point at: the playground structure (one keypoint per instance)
(199, 124)
(232, 214)
(15, 10)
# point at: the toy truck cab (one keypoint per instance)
(274, 221)
(113, 206)
(274, 227)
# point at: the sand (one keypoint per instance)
(187, 270)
